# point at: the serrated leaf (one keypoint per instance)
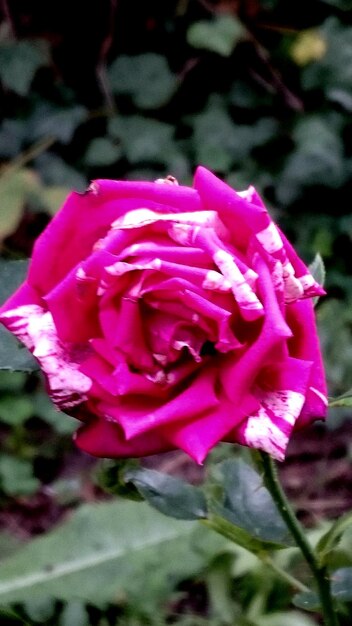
(19, 62)
(331, 539)
(145, 77)
(246, 512)
(168, 494)
(317, 269)
(220, 35)
(129, 548)
(12, 355)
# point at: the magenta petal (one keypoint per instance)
(239, 374)
(240, 216)
(25, 294)
(106, 439)
(281, 391)
(136, 417)
(86, 218)
(200, 435)
(305, 345)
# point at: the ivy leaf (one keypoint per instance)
(145, 77)
(19, 62)
(143, 139)
(102, 151)
(220, 35)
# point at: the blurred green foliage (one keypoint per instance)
(260, 92)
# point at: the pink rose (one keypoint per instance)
(172, 317)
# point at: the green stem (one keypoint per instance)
(291, 580)
(320, 573)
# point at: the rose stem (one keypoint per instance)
(320, 573)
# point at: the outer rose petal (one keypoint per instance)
(305, 345)
(105, 439)
(85, 218)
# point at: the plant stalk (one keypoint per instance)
(320, 573)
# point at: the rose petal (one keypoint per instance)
(136, 417)
(106, 439)
(281, 393)
(304, 344)
(85, 218)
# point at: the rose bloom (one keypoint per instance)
(170, 317)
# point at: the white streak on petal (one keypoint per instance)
(320, 395)
(36, 329)
(216, 282)
(80, 274)
(245, 296)
(261, 433)
(144, 216)
(307, 281)
(270, 239)
(183, 233)
(292, 286)
(247, 194)
(285, 404)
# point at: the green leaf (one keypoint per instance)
(15, 410)
(317, 269)
(54, 171)
(341, 589)
(19, 62)
(102, 151)
(40, 609)
(219, 142)
(332, 537)
(145, 77)
(15, 187)
(344, 400)
(219, 35)
(281, 618)
(12, 133)
(341, 586)
(12, 356)
(61, 123)
(332, 71)
(129, 548)
(143, 139)
(246, 511)
(16, 476)
(317, 160)
(43, 407)
(74, 614)
(168, 494)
